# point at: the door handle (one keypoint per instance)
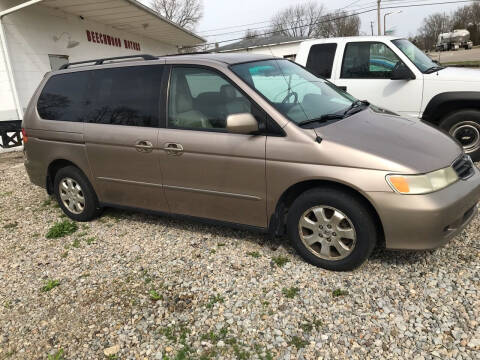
(144, 146)
(173, 149)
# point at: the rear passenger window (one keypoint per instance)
(126, 96)
(320, 60)
(63, 97)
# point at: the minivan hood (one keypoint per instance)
(387, 142)
(455, 74)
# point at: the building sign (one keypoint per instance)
(99, 38)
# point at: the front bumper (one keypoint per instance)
(427, 221)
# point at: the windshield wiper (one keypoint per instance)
(321, 119)
(433, 69)
(357, 104)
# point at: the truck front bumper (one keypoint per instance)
(427, 221)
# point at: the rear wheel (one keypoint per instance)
(464, 126)
(331, 229)
(75, 194)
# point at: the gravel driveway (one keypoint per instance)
(134, 286)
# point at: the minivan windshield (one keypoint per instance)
(417, 56)
(295, 92)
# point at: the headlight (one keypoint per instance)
(422, 184)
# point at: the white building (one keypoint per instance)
(277, 45)
(37, 36)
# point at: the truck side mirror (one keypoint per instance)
(402, 72)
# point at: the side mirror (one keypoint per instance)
(244, 123)
(402, 72)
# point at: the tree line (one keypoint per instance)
(466, 17)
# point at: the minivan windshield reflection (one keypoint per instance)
(295, 92)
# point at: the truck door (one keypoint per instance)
(366, 71)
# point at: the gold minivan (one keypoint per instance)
(247, 140)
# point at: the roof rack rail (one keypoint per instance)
(187, 53)
(101, 61)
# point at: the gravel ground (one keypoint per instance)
(133, 286)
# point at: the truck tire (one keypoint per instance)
(331, 229)
(464, 126)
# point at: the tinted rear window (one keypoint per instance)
(320, 59)
(126, 96)
(63, 97)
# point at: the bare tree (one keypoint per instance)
(310, 20)
(433, 26)
(185, 13)
(252, 34)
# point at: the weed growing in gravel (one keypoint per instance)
(57, 356)
(64, 254)
(308, 326)
(7, 304)
(263, 355)
(155, 296)
(254, 254)
(280, 260)
(49, 285)
(46, 203)
(240, 353)
(90, 240)
(11, 225)
(214, 337)
(221, 244)
(6, 193)
(298, 342)
(339, 292)
(76, 243)
(213, 251)
(61, 229)
(112, 357)
(213, 300)
(290, 292)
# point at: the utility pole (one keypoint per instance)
(371, 25)
(379, 19)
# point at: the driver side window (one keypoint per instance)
(368, 60)
(202, 99)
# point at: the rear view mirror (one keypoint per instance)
(402, 72)
(243, 123)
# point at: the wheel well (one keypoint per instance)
(279, 218)
(52, 171)
(447, 108)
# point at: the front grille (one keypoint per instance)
(463, 166)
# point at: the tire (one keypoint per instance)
(356, 215)
(464, 126)
(75, 183)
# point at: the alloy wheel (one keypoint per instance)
(72, 196)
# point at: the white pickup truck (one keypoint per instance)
(394, 74)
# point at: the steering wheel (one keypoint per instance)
(289, 95)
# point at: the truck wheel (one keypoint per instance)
(75, 194)
(331, 229)
(464, 126)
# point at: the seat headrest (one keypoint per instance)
(184, 103)
(228, 92)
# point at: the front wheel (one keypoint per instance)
(464, 126)
(331, 229)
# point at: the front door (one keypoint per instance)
(209, 172)
(121, 134)
(366, 73)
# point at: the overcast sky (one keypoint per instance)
(219, 14)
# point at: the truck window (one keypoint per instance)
(368, 60)
(320, 60)
(63, 97)
(126, 96)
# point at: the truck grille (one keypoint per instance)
(463, 166)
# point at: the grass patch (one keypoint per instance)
(462, 63)
(58, 355)
(339, 292)
(254, 254)
(298, 342)
(290, 292)
(64, 254)
(49, 285)
(47, 202)
(213, 300)
(154, 295)
(280, 261)
(61, 229)
(90, 240)
(76, 243)
(11, 225)
(215, 337)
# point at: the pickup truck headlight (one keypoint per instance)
(422, 184)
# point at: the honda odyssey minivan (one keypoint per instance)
(248, 140)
